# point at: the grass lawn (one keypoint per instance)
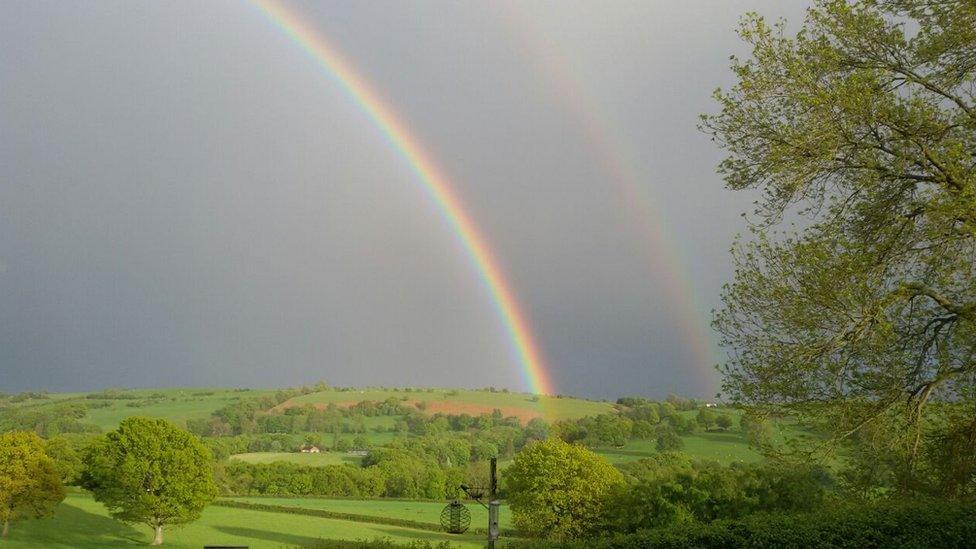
(420, 511)
(316, 460)
(80, 522)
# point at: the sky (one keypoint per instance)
(188, 199)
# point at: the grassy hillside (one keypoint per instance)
(80, 522)
(107, 408)
(176, 405)
(457, 401)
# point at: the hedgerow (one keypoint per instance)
(893, 524)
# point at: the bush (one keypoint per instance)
(288, 479)
(667, 439)
(669, 489)
(559, 490)
(892, 524)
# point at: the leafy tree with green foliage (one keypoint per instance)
(65, 453)
(682, 424)
(152, 472)
(559, 490)
(863, 318)
(723, 421)
(706, 418)
(643, 412)
(29, 483)
(606, 430)
(643, 430)
(668, 439)
(758, 430)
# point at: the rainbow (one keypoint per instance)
(638, 200)
(433, 181)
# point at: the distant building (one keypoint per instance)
(309, 449)
(711, 405)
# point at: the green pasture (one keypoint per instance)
(176, 405)
(419, 511)
(80, 522)
(723, 447)
(552, 408)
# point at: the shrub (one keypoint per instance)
(890, 524)
(558, 489)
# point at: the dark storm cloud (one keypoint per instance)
(185, 198)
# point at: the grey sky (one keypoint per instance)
(187, 199)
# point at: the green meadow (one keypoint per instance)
(107, 408)
(418, 511)
(81, 522)
(465, 401)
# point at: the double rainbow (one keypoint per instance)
(432, 180)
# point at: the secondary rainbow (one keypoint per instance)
(437, 186)
(624, 171)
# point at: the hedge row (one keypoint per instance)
(885, 525)
(379, 543)
(324, 513)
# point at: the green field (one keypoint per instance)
(419, 511)
(83, 523)
(548, 407)
(315, 460)
(723, 447)
(181, 404)
(177, 405)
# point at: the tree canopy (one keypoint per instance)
(558, 489)
(861, 314)
(150, 471)
(30, 486)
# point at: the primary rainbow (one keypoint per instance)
(329, 59)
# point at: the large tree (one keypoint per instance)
(29, 483)
(861, 314)
(559, 490)
(149, 471)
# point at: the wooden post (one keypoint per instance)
(493, 505)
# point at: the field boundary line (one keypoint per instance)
(352, 517)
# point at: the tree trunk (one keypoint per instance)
(6, 528)
(158, 538)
